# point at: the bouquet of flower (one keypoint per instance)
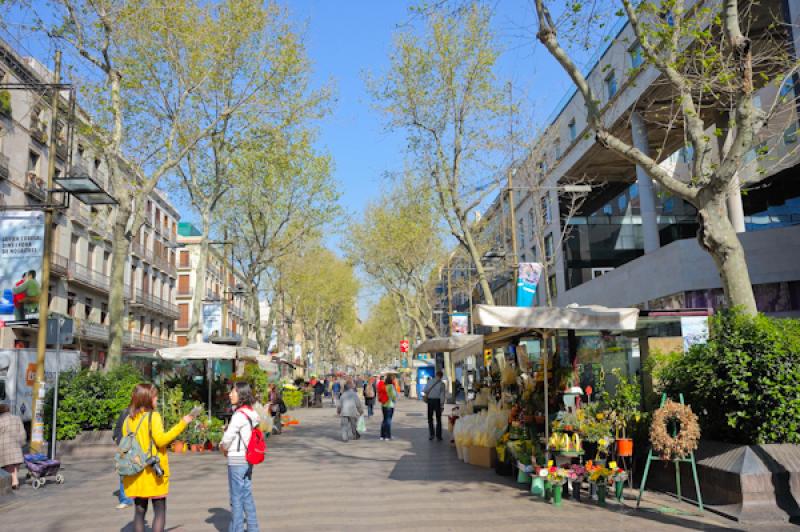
(617, 473)
(576, 473)
(556, 475)
(598, 474)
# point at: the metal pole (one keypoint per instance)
(471, 317)
(37, 397)
(512, 213)
(55, 387)
(546, 399)
(209, 373)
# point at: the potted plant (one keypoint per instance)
(557, 477)
(624, 411)
(599, 475)
(577, 472)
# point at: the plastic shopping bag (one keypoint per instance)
(362, 424)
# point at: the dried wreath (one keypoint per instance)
(685, 441)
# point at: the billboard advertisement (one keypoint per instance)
(694, 330)
(527, 281)
(21, 250)
(459, 324)
(212, 320)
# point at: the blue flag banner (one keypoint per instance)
(527, 281)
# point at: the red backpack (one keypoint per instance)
(383, 397)
(257, 446)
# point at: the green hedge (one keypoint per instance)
(744, 384)
(91, 400)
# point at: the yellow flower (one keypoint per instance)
(612, 465)
(600, 415)
(602, 442)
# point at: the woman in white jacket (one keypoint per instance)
(234, 445)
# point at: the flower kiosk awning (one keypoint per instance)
(464, 344)
(547, 320)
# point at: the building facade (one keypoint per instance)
(222, 287)
(630, 243)
(81, 260)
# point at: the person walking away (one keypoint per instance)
(152, 482)
(369, 396)
(234, 446)
(435, 394)
(275, 401)
(350, 409)
(12, 438)
(318, 389)
(387, 400)
(337, 392)
(116, 435)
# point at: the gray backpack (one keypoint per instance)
(130, 458)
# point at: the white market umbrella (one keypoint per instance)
(458, 347)
(545, 320)
(208, 352)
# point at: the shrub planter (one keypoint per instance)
(747, 483)
(88, 444)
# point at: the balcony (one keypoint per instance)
(90, 330)
(59, 264)
(156, 304)
(3, 166)
(39, 133)
(87, 277)
(35, 187)
(79, 214)
(62, 151)
(138, 339)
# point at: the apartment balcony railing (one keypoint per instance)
(79, 214)
(4, 172)
(39, 133)
(185, 291)
(157, 304)
(62, 151)
(34, 186)
(88, 277)
(90, 330)
(59, 265)
(139, 339)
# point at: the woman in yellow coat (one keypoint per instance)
(148, 484)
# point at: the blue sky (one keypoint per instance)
(347, 39)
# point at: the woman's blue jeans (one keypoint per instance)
(386, 426)
(243, 507)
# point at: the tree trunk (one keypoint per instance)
(717, 236)
(476, 259)
(116, 301)
(200, 281)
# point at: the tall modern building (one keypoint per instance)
(631, 243)
(81, 261)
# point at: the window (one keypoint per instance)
(558, 149)
(107, 263)
(33, 162)
(88, 306)
(552, 286)
(521, 232)
(90, 260)
(611, 85)
(183, 320)
(71, 304)
(546, 215)
(790, 135)
(548, 246)
(635, 53)
(573, 129)
(184, 256)
(81, 151)
(103, 312)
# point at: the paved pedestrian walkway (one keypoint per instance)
(313, 481)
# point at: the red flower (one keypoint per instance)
(553, 469)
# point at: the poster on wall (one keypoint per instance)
(694, 330)
(21, 251)
(527, 280)
(212, 321)
(459, 324)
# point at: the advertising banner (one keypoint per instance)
(18, 371)
(527, 280)
(459, 324)
(694, 330)
(212, 320)
(21, 250)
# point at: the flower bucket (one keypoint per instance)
(557, 491)
(624, 447)
(548, 491)
(576, 490)
(601, 494)
(523, 477)
(619, 487)
(537, 486)
(465, 454)
(459, 452)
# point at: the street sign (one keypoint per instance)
(404, 345)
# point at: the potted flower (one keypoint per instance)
(619, 476)
(576, 474)
(557, 477)
(599, 475)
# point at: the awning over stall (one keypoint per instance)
(446, 344)
(576, 317)
(207, 351)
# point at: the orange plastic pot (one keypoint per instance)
(625, 447)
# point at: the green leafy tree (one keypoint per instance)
(442, 92)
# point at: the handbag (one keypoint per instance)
(362, 424)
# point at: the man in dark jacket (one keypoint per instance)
(124, 501)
